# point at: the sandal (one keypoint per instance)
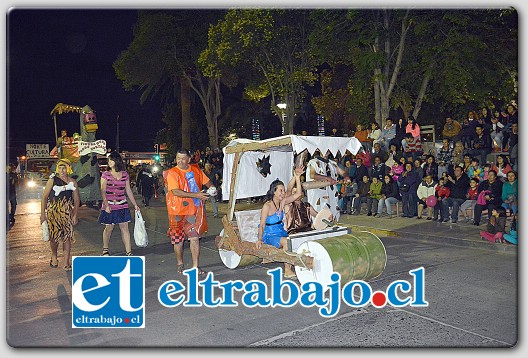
(129, 253)
(52, 265)
(105, 252)
(201, 273)
(180, 268)
(67, 268)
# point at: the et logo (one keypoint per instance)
(108, 292)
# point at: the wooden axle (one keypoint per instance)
(231, 242)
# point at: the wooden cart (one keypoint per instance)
(315, 254)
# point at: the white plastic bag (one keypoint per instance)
(45, 231)
(140, 232)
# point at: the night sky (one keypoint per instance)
(66, 56)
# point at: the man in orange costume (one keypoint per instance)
(186, 206)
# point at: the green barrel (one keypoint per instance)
(357, 256)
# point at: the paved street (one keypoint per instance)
(471, 287)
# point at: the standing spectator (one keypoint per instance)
(481, 144)
(442, 192)
(186, 207)
(11, 187)
(400, 134)
(388, 132)
(468, 129)
(115, 187)
(389, 195)
(444, 157)
(350, 190)
(490, 196)
(458, 187)
(58, 207)
(378, 169)
(425, 189)
(510, 193)
(510, 118)
(471, 200)
(361, 196)
(147, 186)
(451, 129)
(374, 196)
(503, 167)
(418, 168)
(139, 177)
(430, 167)
(496, 226)
(409, 182)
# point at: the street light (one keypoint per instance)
(282, 107)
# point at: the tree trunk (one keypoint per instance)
(423, 88)
(186, 113)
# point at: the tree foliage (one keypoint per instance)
(268, 48)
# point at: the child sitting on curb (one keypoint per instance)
(496, 226)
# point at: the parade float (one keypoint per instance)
(316, 254)
(82, 150)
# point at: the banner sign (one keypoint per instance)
(37, 150)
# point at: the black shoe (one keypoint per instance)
(445, 220)
(369, 214)
(453, 221)
(375, 214)
(476, 223)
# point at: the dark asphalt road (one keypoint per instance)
(472, 293)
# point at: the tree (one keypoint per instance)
(268, 51)
(162, 59)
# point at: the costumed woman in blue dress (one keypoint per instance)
(271, 228)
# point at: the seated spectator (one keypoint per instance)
(409, 182)
(361, 134)
(425, 189)
(511, 236)
(361, 196)
(393, 156)
(374, 196)
(350, 190)
(510, 193)
(490, 196)
(378, 152)
(458, 186)
(471, 200)
(466, 163)
(360, 171)
(374, 134)
(378, 169)
(496, 134)
(364, 156)
(388, 132)
(467, 133)
(442, 192)
(389, 195)
(444, 157)
(475, 170)
(503, 167)
(458, 155)
(412, 128)
(481, 144)
(451, 129)
(496, 226)
(430, 167)
(412, 147)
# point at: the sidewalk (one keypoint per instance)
(459, 234)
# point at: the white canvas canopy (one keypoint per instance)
(281, 151)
